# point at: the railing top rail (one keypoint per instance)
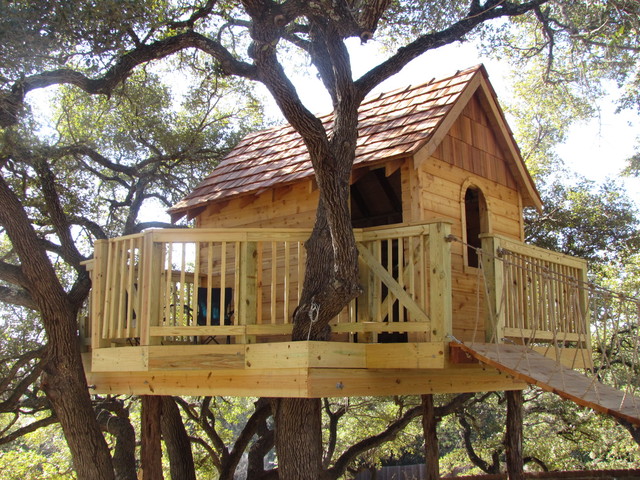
(522, 248)
(187, 235)
(123, 238)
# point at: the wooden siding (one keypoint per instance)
(291, 206)
(469, 155)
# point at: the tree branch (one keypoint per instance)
(32, 427)
(368, 443)
(18, 297)
(455, 32)
(261, 413)
(11, 101)
(56, 213)
(19, 389)
(12, 274)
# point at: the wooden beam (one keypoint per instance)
(371, 382)
(306, 383)
(120, 359)
(440, 290)
(98, 291)
(492, 265)
(406, 355)
(393, 286)
(310, 354)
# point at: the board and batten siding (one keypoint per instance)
(469, 155)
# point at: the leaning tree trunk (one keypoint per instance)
(66, 388)
(64, 381)
(177, 441)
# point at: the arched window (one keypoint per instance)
(476, 222)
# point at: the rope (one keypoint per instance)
(314, 312)
(545, 296)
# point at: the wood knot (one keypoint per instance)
(280, 20)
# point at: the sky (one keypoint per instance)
(597, 149)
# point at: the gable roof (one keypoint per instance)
(391, 125)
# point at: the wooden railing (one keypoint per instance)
(231, 286)
(536, 295)
(198, 285)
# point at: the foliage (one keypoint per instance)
(597, 222)
(42, 454)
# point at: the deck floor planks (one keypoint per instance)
(535, 369)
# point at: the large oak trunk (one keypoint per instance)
(331, 282)
(151, 449)
(298, 436)
(177, 441)
(65, 386)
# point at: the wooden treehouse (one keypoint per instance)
(437, 194)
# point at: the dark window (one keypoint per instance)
(475, 209)
(376, 199)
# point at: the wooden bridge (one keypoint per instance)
(201, 311)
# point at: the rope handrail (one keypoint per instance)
(540, 293)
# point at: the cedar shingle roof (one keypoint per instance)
(391, 125)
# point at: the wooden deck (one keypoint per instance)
(208, 311)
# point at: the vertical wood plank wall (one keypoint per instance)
(469, 155)
(290, 206)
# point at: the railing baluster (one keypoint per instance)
(195, 285)
(287, 281)
(168, 283)
(98, 293)
(180, 314)
(274, 283)
(223, 282)
(210, 252)
(259, 283)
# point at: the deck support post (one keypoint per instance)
(513, 440)
(492, 265)
(431, 448)
(151, 447)
(440, 307)
(247, 304)
(152, 271)
(98, 291)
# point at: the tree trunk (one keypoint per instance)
(66, 388)
(298, 435)
(513, 440)
(331, 281)
(64, 381)
(429, 424)
(151, 449)
(177, 442)
(124, 452)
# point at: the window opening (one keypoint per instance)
(476, 222)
